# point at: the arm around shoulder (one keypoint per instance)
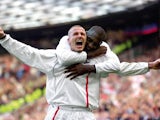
(68, 57)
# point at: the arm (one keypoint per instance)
(43, 60)
(110, 64)
(67, 57)
(79, 69)
(125, 68)
(137, 68)
(134, 68)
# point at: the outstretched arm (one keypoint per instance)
(137, 68)
(43, 60)
(126, 68)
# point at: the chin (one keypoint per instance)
(79, 50)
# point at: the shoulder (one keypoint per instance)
(64, 39)
(106, 45)
(63, 43)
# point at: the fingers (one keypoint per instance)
(73, 71)
(69, 70)
(72, 75)
(72, 66)
(69, 67)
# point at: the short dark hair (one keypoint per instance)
(96, 32)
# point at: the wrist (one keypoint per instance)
(150, 65)
(89, 55)
(92, 68)
(3, 36)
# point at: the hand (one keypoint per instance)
(98, 52)
(79, 69)
(2, 34)
(155, 64)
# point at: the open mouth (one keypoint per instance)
(79, 42)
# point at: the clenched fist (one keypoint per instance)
(155, 64)
(2, 34)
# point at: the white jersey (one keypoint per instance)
(45, 61)
(110, 62)
(82, 91)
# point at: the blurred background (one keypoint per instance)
(132, 29)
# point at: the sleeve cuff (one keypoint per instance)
(96, 67)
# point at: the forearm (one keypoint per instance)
(134, 68)
(68, 57)
(91, 68)
(137, 68)
(150, 66)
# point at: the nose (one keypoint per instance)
(79, 35)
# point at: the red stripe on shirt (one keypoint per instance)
(87, 100)
(55, 113)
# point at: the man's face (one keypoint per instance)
(92, 44)
(77, 38)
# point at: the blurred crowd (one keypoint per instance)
(132, 97)
(17, 79)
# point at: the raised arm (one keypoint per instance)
(43, 60)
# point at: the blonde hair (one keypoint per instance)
(70, 30)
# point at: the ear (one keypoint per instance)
(68, 40)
